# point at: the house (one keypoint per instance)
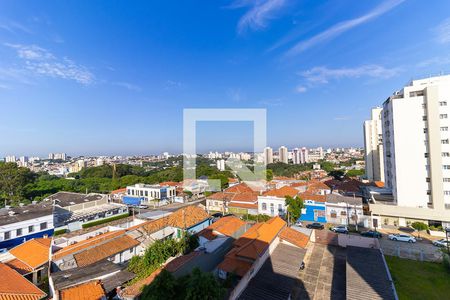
(345, 210)
(221, 230)
(115, 246)
(19, 224)
(15, 286)
(30, 259)
(238, 199)
(89, 290)
(116, 195)
(149, 192)
(72, 210)
(314, 208)
(318, 188)
(273, 202)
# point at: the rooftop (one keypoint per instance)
(33, 253)
(334, 198)
(65, 199)
(313, 197)
(227, 226)
(27, 212)
(14, 286)
(87, 291)
(294, 237)
(282, 192)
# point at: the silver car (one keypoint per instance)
(402, 238)
(441, 243)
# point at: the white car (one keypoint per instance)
(340, 229)
(402, 238)
(441, 243)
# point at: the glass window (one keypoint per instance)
(443, 116)
(444, 128)
(43, 226)
(19, 232)
(31, 228)
(443, 103)
(264, 206)
(444, 141)
(7, 235)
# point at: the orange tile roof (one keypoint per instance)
(239, 188)
(220, 196)
(87, 291)
(314, 186)
(80, 246)
(118, 191)
(379, 183)
(232, 180)
(33, 253)
(316, 198)
(105, 250)
(178, 262)
(18, 265)
(251, 245)
(14, 286)
(170, 183)
(283, 178)
(282, 192)
(187, 217)
(243, 205)
(251, 197)
(226, 226)
(294, 237)
(297, 184)
(136, 288)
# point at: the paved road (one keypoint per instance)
(421, 250)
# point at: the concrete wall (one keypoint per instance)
(345, 240)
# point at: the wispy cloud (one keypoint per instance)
(322, 75)
(259, 14)
(301, 88)
(442, 32)
(129, 86)
(271, 102)
(13, 27)
(40, 61)
(342, 27)
(172, 84)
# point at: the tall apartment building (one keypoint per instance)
(296, 156)
(283, 154)
(416, 142)
(268, 155)
(373, 146)
(10, 158)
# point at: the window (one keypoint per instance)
(343, 213)
(280, 207)
(427, 179)
(446, 179)
(146, 193)
(444, 141)
(424, 105)
(264, 206)
(444, 128)
(443, 116)
(7, 235)
(442, 103)
(131, 250)
(31, 228)
(426, 155)
(446, 167)
(43, 226)
(425, 118)
(19, 232)
(445, 154)
(447, 193)
(428, 192)
(425, 130)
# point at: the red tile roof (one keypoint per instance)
(239, 188)
(18, 265)
(14, 286)
(227, 226)
(87, 291)
(119, 191)
(282, 192)
(313, 197)
(294, 237)
(178, 262)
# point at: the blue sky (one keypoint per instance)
(113, 77)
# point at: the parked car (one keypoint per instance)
(217, 215)
(372, 234)
(142, 206)
(315, 226)
(441, 243)
(340, 229)
(298, 224)
(402, 238)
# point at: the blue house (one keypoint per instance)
(314, 208)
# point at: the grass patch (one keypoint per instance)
(102, 221)
(59, 232)
(419, 280)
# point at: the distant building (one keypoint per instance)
(373, 146)
(268, 155)
(152, 192)
(221, 164)
(283, 154)
(273, 202)
(313, 208)
(20, 224)
(10, 158)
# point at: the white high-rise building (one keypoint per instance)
(51, 156)
(10, 158)
(221, 165)
(416, 143)
(283, 154)
(296, 156)
(304, 156)
(268, 155)
(373, 146)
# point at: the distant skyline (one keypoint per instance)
(113, 78)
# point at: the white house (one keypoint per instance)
(273, 202)
(345, 210)
(150, 192)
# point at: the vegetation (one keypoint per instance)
(337, 174)
(419, 226)
(59, 232)
(20, 185)
(256, 218)
(419, 280)
(158, 252)
(106, 220)
(294, 208)
(355, 173)
(197, 285)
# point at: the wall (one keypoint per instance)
(308, 212)
(345, 240)
(268, 201)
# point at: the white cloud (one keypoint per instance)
(259, 13)
(301, 89)
(443, 32)
(322, 75)
(129, 86)
(13, 27)
(342, 27)
(41, 62)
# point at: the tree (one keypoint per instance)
(419, 226)
(162, 287)
(294, 208)
(337, 174)
(355, 173)
(13, 180)
(203, 286)
(269, 174)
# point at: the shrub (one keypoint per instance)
(106, 220)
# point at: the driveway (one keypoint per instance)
(421, 250)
